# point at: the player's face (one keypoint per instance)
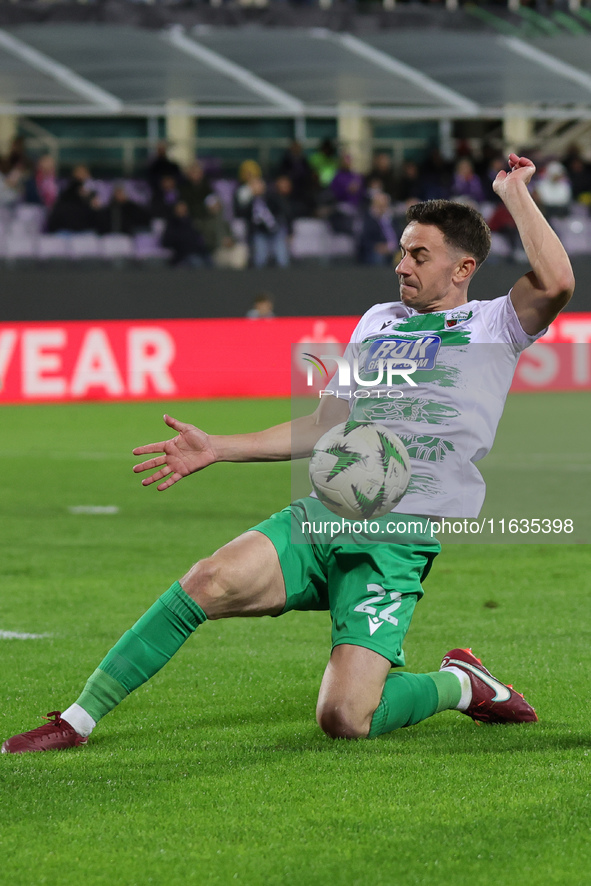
(426, 269)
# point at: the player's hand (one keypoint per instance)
(186, 453)
(521, 170)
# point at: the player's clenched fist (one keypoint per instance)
(521, 170)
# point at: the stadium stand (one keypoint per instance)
(86, 91)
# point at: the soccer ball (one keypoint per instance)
(360, 470)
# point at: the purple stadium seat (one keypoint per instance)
(499, 245)
(21, 245)
(117, 246)
(50, 246)
(29, 217)
(341, 246)
(147, 246)
(87, 245)
(239, 230)
(311, 238)
(575, 234)
(487, 210)
(579, 210)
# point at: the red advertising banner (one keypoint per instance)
(201, 359)
(168, 359)
(561, 360)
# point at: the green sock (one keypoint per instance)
(449, 690)
(409, 698)
(141, 651)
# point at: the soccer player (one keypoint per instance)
(371, 588)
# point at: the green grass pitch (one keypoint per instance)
(215, 772)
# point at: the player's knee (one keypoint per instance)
(204, 582)
(338, 721)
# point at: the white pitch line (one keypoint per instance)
(93, 509)
(18, 635)
(63, 456)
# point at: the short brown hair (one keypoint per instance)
(462, 226)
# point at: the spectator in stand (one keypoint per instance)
(165, 198)
(122, 215)
(488, 153)
(282, 191)
(347, 185)
(325, 163)
(382, 172)
(378, 242)
(347, 189)
(296, 167)
(160, 167)
(579, 173)
(495, 165)
(409, 185)
(221, 245)
(372, 186)
(185, 242)
(466, 183)
(553, 191)
(193, 190)
(464, 150)
(436, 175)
(263, 307)
(17, 157)
(42, 187)
(501, 222)
(268, 228)
(399, 214)
(76, 208)
(249, 171)
(11, 185)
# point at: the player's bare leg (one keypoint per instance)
(243, 578)
(351, 690)
(361, 697)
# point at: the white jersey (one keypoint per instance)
(465, 360)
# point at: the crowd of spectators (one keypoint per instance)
(197, 219)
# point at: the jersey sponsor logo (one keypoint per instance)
(426, 447)
(457, 317)
(422, 350)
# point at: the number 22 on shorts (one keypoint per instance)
(384, 614)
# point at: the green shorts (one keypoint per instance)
(370, 589)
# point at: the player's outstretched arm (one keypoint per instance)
(189, 451)
(192, 450)
(542, 293)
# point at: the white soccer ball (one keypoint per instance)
(360, 470)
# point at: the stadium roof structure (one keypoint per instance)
(109, 70)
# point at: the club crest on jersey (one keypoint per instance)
(422, 350)
(456, 317)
